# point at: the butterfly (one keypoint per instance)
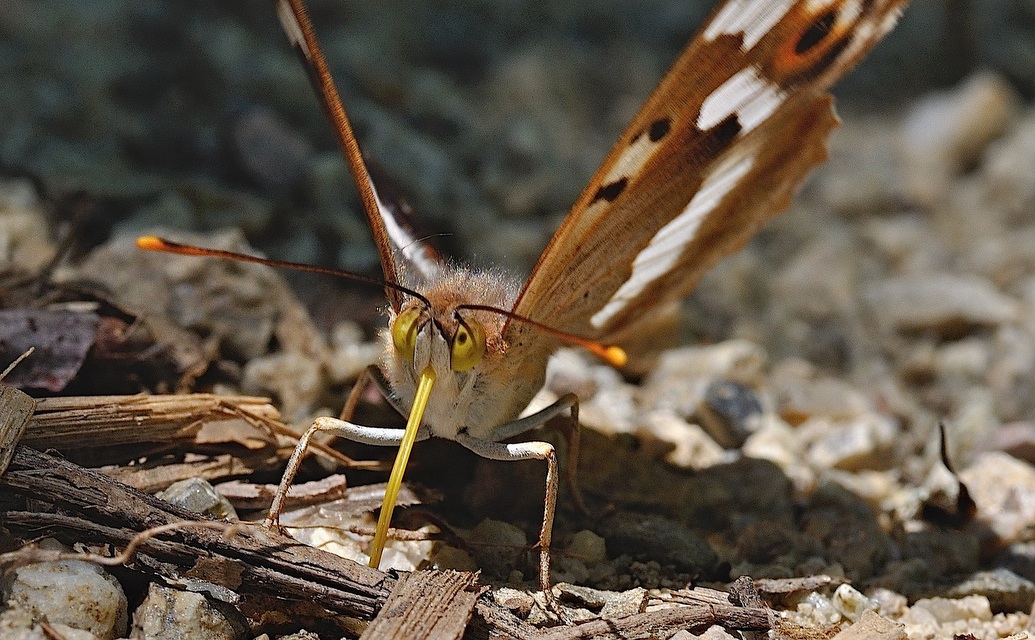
(719, 147)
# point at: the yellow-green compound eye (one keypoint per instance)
(404, 331)
(468, 347)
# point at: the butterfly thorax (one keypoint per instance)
(498, 385)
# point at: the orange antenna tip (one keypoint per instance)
(614, 356)
(154, 243)
(151, 243)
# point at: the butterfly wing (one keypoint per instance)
(404, 258)
(416, 262)
(719, 147)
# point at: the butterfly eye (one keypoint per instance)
(404, 331)
(468, 347)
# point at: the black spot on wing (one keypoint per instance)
(716, 139)
(659, 129)
(611, 190)
(816, 33)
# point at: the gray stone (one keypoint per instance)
(77, 594)
(657, 538)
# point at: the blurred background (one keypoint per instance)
(490, 115)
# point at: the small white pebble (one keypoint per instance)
(852, 603)
(171, 613)
(588, 547)
(819, 609)
(78, 594)
(945, 610)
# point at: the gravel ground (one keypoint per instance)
(897, 294)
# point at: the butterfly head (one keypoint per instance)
(438, 331)
(450, 343)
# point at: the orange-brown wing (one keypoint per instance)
(719, 147)
(403, 255)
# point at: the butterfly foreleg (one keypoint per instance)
(527, 451)
(494, 450)
(378, 436)
(568, 403)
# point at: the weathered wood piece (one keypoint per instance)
(108, 421)
(427, 604)
(661, 623)
(15, 413)
(92, 508)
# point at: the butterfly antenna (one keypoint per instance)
(612, 354)
(154, 243)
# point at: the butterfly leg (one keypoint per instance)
(356, 433)
(493, 450)
(569, 403)
(527, 451)
(352, 400)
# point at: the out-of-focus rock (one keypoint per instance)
(947, 305)
(946, 132)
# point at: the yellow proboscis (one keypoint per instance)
(420, 402)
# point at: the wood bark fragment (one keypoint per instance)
(105, 423)
(251, 496)
(92, 508)
(494, 623)
(427, 604)
(108, 421)
(16, 410)
(744, 593)
(785, 586)
(154, 476)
